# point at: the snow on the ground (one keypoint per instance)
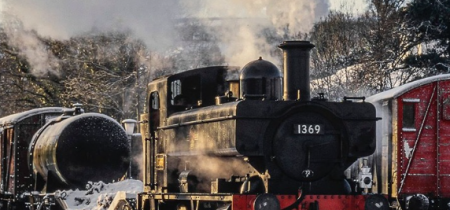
(98, 195)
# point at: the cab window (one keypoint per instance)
(154, 101)
(175, 88)
(186, 93)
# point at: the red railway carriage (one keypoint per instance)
(412, 161)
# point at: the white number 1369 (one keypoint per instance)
(308, 129)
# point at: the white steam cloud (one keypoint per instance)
(241, 36)
(43, 63)
(153, 21)
(150, 20)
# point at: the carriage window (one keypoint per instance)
(409, 122)
(154, 100)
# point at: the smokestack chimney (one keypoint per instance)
(296, 70)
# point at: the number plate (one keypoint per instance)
(313, 129)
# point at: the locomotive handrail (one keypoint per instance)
(197, 122)
(236, 117)
(347, 98)
(217, 119)
(361, 119)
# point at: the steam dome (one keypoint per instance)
(261, 80)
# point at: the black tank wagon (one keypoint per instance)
(54, 148)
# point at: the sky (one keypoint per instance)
(355, 6)
(153, 21)
(65, 18)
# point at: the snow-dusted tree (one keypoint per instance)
(21, 88)
(427, 27)
(336, 58)
(102, 73)
(387, 46)
(362, 54)
(106, 72)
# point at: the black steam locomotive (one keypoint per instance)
(48, 149)
(260, 142)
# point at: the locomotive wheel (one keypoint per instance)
(376, 202)
(417, 202)
(181, 207)
(253, 185)
(126, 207)
(266, 202)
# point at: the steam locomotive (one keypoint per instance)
(47, 149)
(260, 142)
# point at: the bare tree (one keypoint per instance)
(427, 29)
(336, 58)
(103, 74)
(20, 89)
(362, 54)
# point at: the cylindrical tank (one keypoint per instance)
(81, 148)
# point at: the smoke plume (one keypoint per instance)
(150, 20)
(242, 39)
(30, 46)
(153, 21)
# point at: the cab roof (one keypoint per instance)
(14, 118)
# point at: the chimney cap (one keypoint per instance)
(296, 44)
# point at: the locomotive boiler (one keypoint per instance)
(260, 142)
(48, 149)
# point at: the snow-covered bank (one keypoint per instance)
(98, 195)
